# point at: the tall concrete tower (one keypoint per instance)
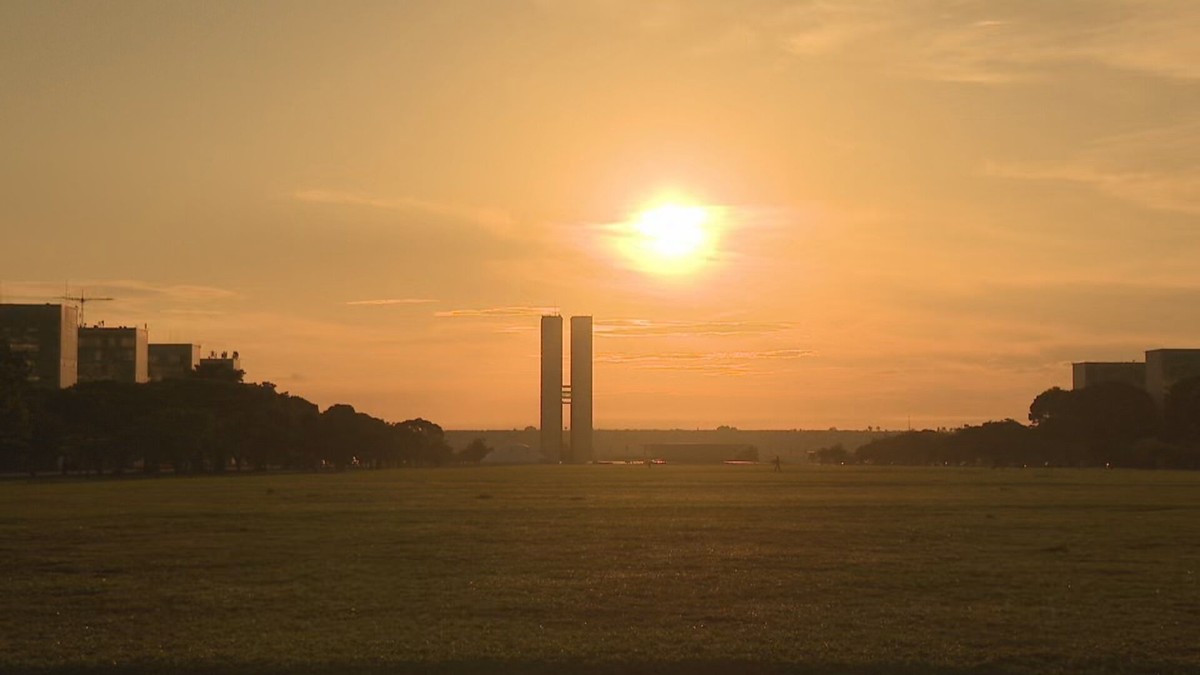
(552, 389)
(581, 388)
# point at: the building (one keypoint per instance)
(47, 335)
(113, 354)
(577, 394)
(581, 389)
(222, 366)
(551, 424)
(1087, 373)
(168, 361)
(1165, 367)
(701, 453)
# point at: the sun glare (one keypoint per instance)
(671, 238)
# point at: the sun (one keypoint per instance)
(671, 238)
(673, 231)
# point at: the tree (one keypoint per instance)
(423, 442)
(16, 411)
(341, 434)
(1007, 442)
(1181, 412)
(219, 372)
(1096, 424)
(1112, 416)
(475, 451)
(1050, 407)
(834, 454)
(911, 447)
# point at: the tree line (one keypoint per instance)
(1106, 424)
(209, 422)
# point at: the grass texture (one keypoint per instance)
(605, 569)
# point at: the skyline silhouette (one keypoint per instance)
(782, 216)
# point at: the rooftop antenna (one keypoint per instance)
(82, 299)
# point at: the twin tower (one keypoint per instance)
(577, 394)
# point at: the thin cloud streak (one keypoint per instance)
(121, 289)
(391, 301)
(992, 44)
(1156, 168)
(496, 312)
(1173, 191)
(709, 363)
(707, 356)
(489, 218)
(645, 328)
(194, 312)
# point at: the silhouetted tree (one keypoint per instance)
(423, 442)
(203, 423)
(1050, 408)
(834, 454)
(912, 447)
(16, 413)
(1111, 417)
(340, 433)
(218, 372)
(475, 451)
(1181, 411)
(1098, 424)
(1004, 443)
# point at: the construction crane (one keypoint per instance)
(82, 300)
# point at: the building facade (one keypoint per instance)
(47, 336)
(577, 394)
(1087, 373)
(224, 366)
(551, 419)
(113, 354)
(701, 453)
(581, 389)
(171, 361)
(1165, 367)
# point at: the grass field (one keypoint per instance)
(605, 569)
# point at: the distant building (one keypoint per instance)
(513, 453)
(581, 389)
(551, 421)
(700, 453)
(47, 336)
(577, 394)
(169, 361)
(1165, 367)
(225, 362)
(113, 354)
(1087, 373)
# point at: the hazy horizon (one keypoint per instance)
(912, 211)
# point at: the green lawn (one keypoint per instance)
(605, 569)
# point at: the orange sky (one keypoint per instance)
(927, 209)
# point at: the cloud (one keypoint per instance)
(738, 363)
(1071, 310)
(193, 312)
(707, 356)
(1155, 168)
(1152, 189)
(118, 289)
(489, 218)
(391, 301)
(179, 292)
(493, 312)
(989, 43)
(517, 329)
(824, 28)
(647, 328)
(971, 41)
